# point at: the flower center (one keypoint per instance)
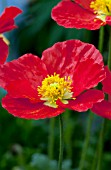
(102, 8)
(53, 88)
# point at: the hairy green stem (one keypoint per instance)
(61, 143)
(86, 142)
(100, 146)
(101, 39)
(94, 163)
(69, 129)
(51, 139)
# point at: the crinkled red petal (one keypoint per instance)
(28, 67)
(107, 82)
(84, 3)
(84, 101)
(22, 89)
(3, 51)
(87, 75)
(72, 15)
(62, 57)
(108, 20)
(7, 18)
(23, 108)
(103, 109)
(81, 61)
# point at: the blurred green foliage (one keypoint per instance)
(24, 143)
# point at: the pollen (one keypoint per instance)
(53, 88)
(102, 8)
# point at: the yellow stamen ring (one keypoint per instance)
(102, 8)
(53, 88)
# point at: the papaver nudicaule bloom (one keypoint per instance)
(7, 24)
(88, 14)
(104, 108)
(62, 78)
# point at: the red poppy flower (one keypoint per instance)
(62, 78)
(6, 24)
(88, 14)
(104, 108)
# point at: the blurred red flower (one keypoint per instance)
(62, 78)
(6, 24)
(88, 14)
(104, 108)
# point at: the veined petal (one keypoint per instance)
(103, 109)
(61, 57)
(3, 51)
(7, 19)
(28, 67)
(22, 89)
(23, 108)
(84, 101)
(87, 75)
(71, 58)
(72, 15)
(65, 56)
